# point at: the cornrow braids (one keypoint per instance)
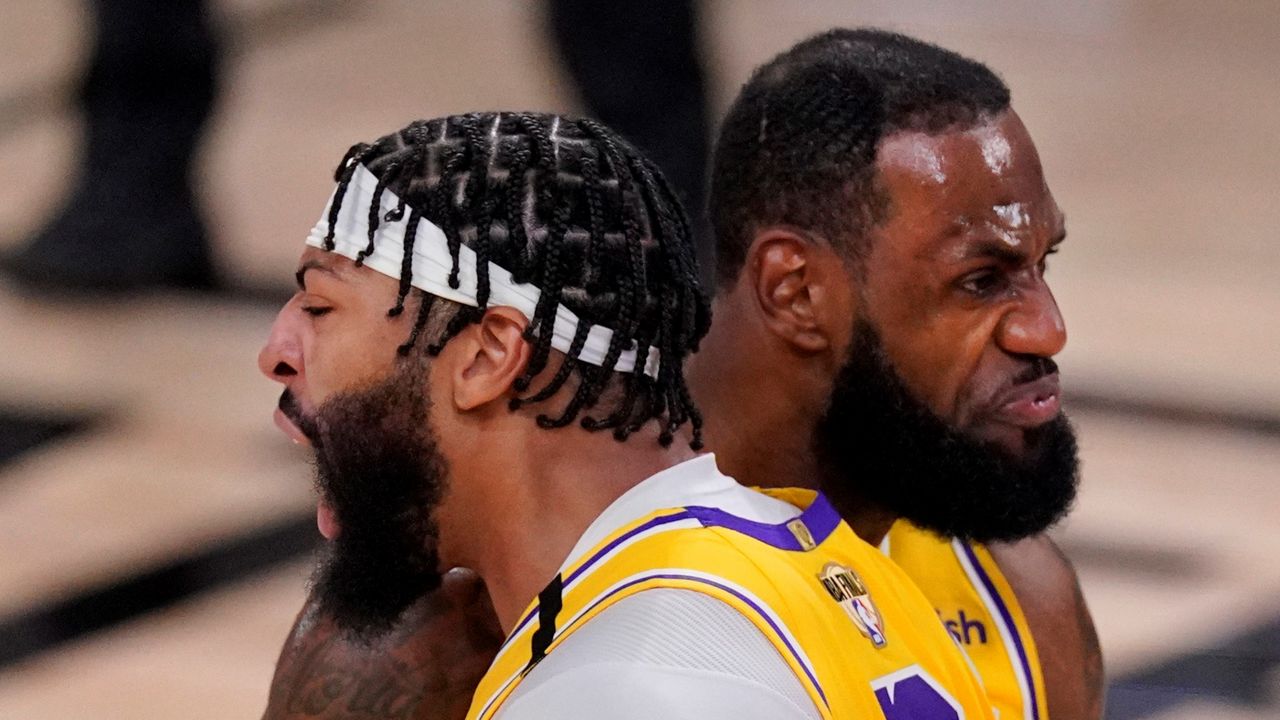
(632, 241)
(410, 238)
(566, 367)
(479, 207)
(695, 315)
(419, 322)
(375, 211)
(569, 206)
(595, 211)
(695, 318)
(342, 175)
(406, 263)
(550, 295)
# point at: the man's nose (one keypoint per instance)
(1034, 326)
(281, 358)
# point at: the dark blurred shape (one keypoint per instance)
(131, 221)
(638, 70)
(21, 431)
(1238, 672)
(43, 628)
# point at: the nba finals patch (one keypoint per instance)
(846, 588)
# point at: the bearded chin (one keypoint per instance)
(380, 471)
(879, 445)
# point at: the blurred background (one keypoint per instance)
(155, 527)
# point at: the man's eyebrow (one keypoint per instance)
(991, 249)
(996, 250)
(301, 275)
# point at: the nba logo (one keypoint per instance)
(847, 589)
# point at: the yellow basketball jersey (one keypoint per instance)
(979, 609)
(857, 633)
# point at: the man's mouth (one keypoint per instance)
(288, 427)
(327, 520)
(293, 422)
(1029, 404)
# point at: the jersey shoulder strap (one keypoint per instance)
(979, 609)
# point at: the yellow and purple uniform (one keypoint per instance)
(855, 631)
(980, 611)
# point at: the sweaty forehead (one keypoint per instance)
(965, 175)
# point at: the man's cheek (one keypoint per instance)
(938, 387)
(323, 375)
(962, 392)
(971, 379)
(932, 363)
(975, 398)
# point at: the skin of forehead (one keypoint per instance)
(988, 175)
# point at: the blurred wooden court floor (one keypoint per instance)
(1158, 127)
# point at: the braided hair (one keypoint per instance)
(569, 206)
(798, 145)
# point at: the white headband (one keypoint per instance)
(432, 264)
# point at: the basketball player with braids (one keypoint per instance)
(486, 352)
(933, 147)
(883, 226)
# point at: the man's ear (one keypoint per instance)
(801, 287)
(490, 356)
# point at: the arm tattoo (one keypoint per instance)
(329, 682)
(428, 667)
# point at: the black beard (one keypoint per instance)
(379, 469)
(879, 445)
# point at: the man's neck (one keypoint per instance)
(536, 501)
(751, 394)
(773, 454)
(870, 521)
(758, 441)
(760, 427)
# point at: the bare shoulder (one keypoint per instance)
(1049, 592)
(428, 667)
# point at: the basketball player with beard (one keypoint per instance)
(883, 326)
(486, 352)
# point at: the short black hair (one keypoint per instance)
(798, 146)
(567, 205)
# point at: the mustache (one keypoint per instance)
(1033, 369)
(289, 406)
(1036, 369)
